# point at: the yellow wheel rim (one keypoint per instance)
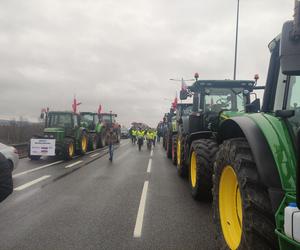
(84, 143)
(71, 149)
(230, 207)
(178, 152)
(193, 169)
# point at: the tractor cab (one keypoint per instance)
(59, 124)
(184, 110)
(215, 100)
(107, 118)
(89, 120)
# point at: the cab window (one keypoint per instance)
(293, 102)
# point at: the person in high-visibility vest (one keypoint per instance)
(149, 137)
(140, 138)
(133, 135)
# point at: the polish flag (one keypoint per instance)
(99, 109)
(75, 104)
(174, 103)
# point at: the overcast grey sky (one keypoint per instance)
(122, 53)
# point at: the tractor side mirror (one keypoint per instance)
(253, 107)
(183, 94)
(290, 49)
(42, 116)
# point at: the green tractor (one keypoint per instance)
(213, 102)
(169, 130)
(179, 128)
(95, 128)
(63, 136)
(165, 127)
(256, 181)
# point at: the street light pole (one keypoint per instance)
(236, 38)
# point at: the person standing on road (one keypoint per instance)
(133, 136)
(6, 182)
(140, 138)
(111, 139)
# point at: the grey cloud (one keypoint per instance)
(122, 53)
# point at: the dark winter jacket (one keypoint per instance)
(6, 183)
(111, 138)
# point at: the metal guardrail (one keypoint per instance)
(22, 149)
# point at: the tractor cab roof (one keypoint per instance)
(107, 114)
(200, 84)
(61, 112)
(184, 105)
(88, 113)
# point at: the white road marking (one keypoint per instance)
(94, 155)
(38, 168)
(73, 164)
(140, 216)
(149, 165)
(28, 184)
(151, 154)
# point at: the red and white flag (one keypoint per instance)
(99, 109)
(174, 103)
(75, 104)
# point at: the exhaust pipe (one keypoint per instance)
(296, 23)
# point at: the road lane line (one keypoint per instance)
(73, 164)
(94, 155)
(140, 216)
(151, 154)
(35, 169)
(149, 165)
(28, 184)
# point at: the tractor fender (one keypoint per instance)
(245, 127)
(185, 124)
(199, 135)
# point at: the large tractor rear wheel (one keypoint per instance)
(101, 139)
(68, 149)
(202, 155)
(174, 150)
(165, 142)
(92, 142)
(83, 143)
(181, 166)
(241, 205)
(169, 147)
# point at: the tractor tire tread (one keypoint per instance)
(258, 227)
(205, 150)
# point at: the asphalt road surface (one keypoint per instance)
(135, 202)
